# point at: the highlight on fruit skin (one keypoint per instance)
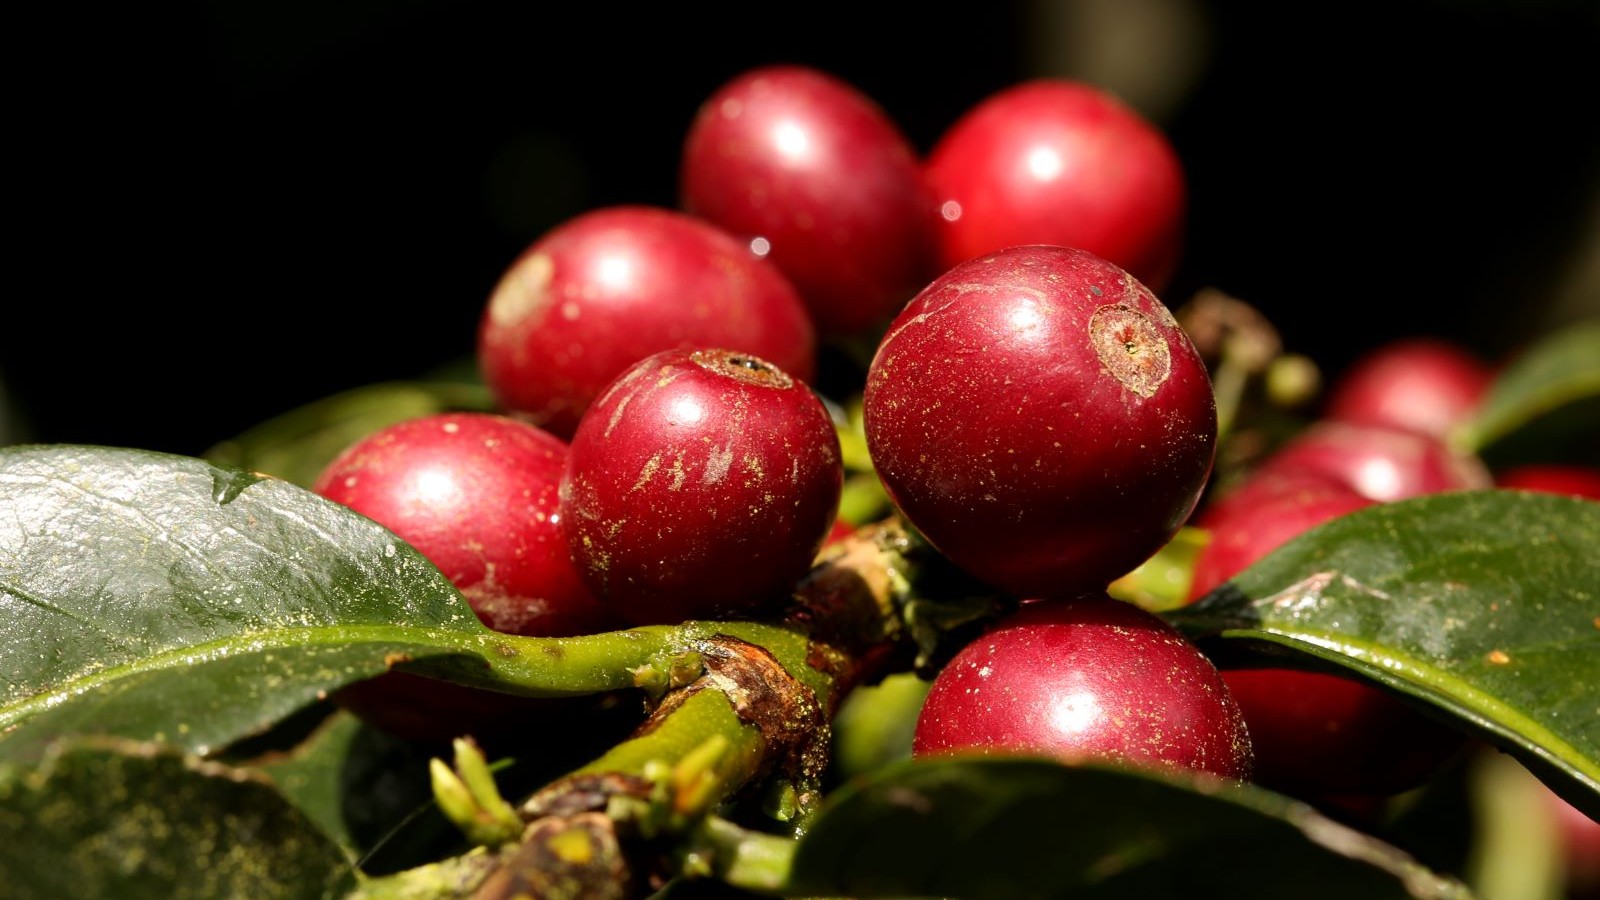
(1379, 462)
(1041, 418)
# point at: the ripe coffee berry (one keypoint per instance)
(1423, 385)
(1378, 462)
(1086, 679)
(806, 166)
(1056, 162)
(611, 287)
(477, 495)
(700, 485)
(1041, 418)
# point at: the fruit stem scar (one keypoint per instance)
(743, 367)
(1131, 348)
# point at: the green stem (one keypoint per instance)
(745, 859)
(457, 876)
(739, 701)
(590, 664)
(680, 733)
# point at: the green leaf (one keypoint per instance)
(107, 818)
(998, 828)
(299, 444)
(1560, 371)
(368, 791)
(161, 598)
(311, 776)
(1483, 605)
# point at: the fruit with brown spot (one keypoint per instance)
(700, 485)
(1041, 418)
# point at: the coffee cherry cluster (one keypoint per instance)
(1034, 411)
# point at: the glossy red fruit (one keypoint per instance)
(700, 485)
(610, 287)
(1086, 679)
(809, 168)
(1381, 464)
(1571, 481)
(1057, 162)
(478, 496)
(1424, 385)
(1315, 734)
(1041, 418)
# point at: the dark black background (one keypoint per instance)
(223, 210)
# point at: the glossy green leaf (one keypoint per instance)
(299, 444)
(110, 818)
(1484, 606)
(1001, 828)
(1561, 370)
(161, 598)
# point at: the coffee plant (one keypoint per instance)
(1124, 616)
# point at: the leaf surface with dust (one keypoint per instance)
(111, 818)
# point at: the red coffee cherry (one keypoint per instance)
(806, 166)
(609, 288)
(1086, 679)
(1041, 418)
(1057, 162)
(1379, 463)
(1423, 385)
(700, 485)
(477, 495)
